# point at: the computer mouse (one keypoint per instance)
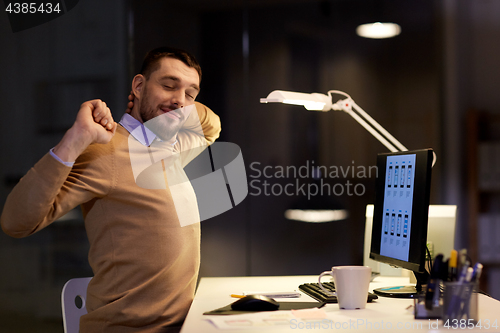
(255, 303)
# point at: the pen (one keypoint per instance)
(452, 266)
(468, 274)
(478, 269)
(462, 259)
(276, 294)
(433, 284)
(463, 271)
(460, 291)
(463, 305)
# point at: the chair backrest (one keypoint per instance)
(73, 299)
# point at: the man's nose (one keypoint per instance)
(179, 98)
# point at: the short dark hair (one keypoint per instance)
(151, 61)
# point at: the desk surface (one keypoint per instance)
(384, 314)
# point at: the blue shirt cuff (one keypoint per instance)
(69, 164)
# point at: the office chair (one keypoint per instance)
(73, 297)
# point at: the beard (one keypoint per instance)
(161, 124)
(164, 127)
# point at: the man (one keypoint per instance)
(145, 264)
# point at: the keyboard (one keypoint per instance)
(313, 290)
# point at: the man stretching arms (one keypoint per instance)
(145, 264)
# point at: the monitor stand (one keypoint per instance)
(404, 291)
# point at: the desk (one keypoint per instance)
(214, 293)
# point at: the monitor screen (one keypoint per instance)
(402, 191)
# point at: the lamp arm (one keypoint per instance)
(379, 127)
(370, 129)
(364, 119)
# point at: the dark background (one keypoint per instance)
(418, 85)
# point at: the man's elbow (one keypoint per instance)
(214, 132)
(11, 228)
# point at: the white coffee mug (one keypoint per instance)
(351, 285)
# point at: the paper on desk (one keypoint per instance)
(266, 319)
(314, 313)
(259, 319)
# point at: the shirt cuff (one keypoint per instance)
(69, 164)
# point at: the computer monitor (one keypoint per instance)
(400, 217)
(440, 237)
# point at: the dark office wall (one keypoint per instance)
(47, 72)
(471, 81)
(162, 23)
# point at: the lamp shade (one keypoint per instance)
(313, 102)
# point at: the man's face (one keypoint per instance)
(165, 95)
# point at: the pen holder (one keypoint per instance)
(460, 301)
(421, 312)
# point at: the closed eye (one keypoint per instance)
(192, 93)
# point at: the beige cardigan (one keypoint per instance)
(145, 265)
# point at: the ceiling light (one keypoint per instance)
(316, 216)
(378, 30)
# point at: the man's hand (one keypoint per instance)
(94, 124)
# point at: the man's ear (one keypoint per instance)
(138, 85)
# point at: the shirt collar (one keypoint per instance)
(137, 129)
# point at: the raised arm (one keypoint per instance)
(94, 124)
(43, 194)
(207, 120)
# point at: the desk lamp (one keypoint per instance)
(322, 102)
